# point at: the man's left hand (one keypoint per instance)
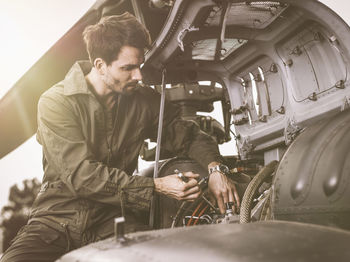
(224, 190)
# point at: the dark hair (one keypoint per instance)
(106, 38)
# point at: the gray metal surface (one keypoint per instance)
(303, 53)
(312, 180)
(311, 70)
(262, 241)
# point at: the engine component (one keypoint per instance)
(167, 208)
(312, 180)
(173, 213)
(252, 189)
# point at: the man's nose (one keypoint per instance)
(136, 74)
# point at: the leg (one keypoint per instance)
(36, 242)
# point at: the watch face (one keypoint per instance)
(220, 168)
(224, 169)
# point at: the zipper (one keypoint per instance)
(69, 244)
(110, 143)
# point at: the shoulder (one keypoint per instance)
(54, 97)
(55, 91)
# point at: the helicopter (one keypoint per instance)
(279, 70)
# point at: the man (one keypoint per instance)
(91, 127)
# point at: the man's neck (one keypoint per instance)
(105, 96)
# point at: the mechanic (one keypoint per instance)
(91, 127)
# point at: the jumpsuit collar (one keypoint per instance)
(74, 82)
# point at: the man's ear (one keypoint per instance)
(100, 65)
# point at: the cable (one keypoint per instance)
(194, 213)
(253, 186)
(200, 214)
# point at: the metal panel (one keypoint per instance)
(261, 241)
(312, 180)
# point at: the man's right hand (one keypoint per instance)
(172, 186)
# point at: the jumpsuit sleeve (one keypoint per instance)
(69, 154)
(183, 137)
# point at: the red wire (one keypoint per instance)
(194, 212)
(201, 213)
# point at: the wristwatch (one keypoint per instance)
(223, 169)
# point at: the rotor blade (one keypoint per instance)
(18, 108)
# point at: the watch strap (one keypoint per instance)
(219, 168)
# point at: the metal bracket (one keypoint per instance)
(281, 110)
(345, 104)
(340, 84)
(263, 119)
(289, 62)
(291, 132)
(273, 68)
(313, 96)
(296, 51)
(182, 34)
(246, 147)
(240, 110)
(241, 121)
(239, 115)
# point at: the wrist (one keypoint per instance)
(212, 164)
(157, 185)
(221, 168)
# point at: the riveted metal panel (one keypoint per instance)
(312, 180)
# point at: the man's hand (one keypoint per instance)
(172, 186)
(224, 190)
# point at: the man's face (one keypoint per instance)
(123, 74)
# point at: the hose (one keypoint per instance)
(187, 206)
(247, 201)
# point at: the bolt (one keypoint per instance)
(340, 84)
(273, 68)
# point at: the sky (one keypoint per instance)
(28, 28)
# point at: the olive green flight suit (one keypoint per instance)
(89, 156)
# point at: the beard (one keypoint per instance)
(130, 88)
(118, 88)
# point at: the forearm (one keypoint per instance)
(204, 150)
(96, 181)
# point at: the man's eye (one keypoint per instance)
(128, 68)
